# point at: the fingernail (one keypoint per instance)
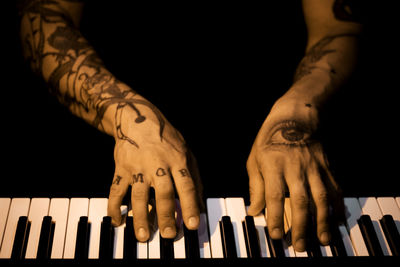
(193, 222)
(300, 245)
(142, 234)
(276, 233)
(325, 237)
(168, 232)
(116, 222)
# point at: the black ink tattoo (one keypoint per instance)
(184, 172)
(161, 172)
(117, 180)
(79, 79)
(315, 54)
(290, 133)
(137, 178)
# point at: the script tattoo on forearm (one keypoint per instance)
(79, 79)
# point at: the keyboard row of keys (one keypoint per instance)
(62, 228)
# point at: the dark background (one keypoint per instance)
(214, 70)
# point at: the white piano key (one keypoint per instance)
(141, 250)
(388, 206)
(78, 207)
(353, 213)
(59, 213)
(97, 210)
(19, 207)
(260, 224)
(346, 240)
(215, 210)
(370, 206)
(38, 209)
(204, 243)
(179, 242)
(4, 207)
(118, 252)
(142, 247)
(236, 210)
(325, 251)
(154, 242)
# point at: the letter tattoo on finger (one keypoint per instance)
(184, 172)
(117, 180)
(137, 178)
(161, 172)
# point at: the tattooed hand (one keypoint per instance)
(149, 152)
(284, 156)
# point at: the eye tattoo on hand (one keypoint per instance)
(290, 133)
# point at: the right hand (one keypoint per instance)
(150, 152)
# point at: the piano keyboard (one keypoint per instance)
(78, 228)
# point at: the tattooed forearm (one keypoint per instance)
(75, 74)
(315, 54)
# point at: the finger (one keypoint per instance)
(140, 200)
(187, 195)
(194, 171)
(299, 202)
(256, 188)
(165, 204)
(118, 189)
(336, 195)
(274, 198)
(321, 200)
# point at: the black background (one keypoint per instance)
(214, 71)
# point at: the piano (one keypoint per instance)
(78, 231)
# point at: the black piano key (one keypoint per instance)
(20, 238)
(312, 242)
(369, 235)
(130, 247)
(337, 247)
(166, 248)
(82, 239)
(192, 249)
(46, 238)
(106, 239)
(275, 246)
(391, 233)
(228, 237)
(251, 238)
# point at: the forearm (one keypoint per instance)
(324, 69)
(59, 54)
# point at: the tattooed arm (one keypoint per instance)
(285, 154)
(149, 151)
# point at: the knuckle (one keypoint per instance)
(139, 195)
(276, 196)
(301, 201)
(322, 197)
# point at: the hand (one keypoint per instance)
(285, 155)
(150, 152)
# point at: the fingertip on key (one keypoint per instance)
(193, 223)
